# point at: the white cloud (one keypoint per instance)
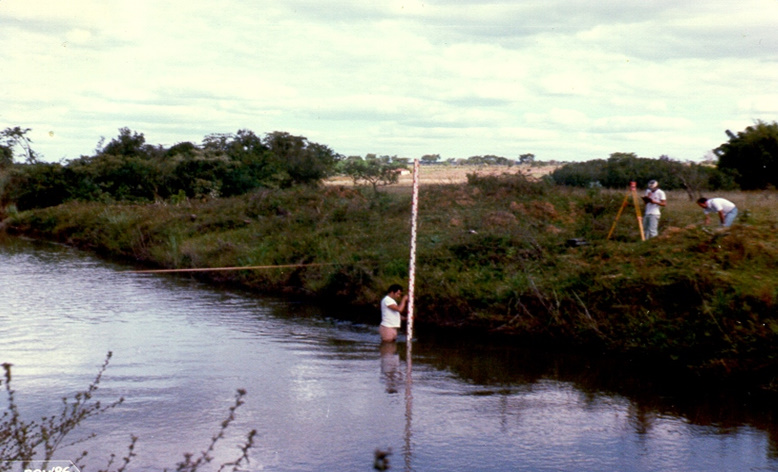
(765, 104)
(561, 79)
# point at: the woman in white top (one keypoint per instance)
(391, 313)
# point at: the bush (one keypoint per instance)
(622, 168)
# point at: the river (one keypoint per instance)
(324, 394)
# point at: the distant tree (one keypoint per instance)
(129, 169)
(430, 158)
(6, 156)
(622, 168)
(752, 156)
(128, 143)
(580, 174)
(246, 143)
(503, 161)
(217, 142)
(528, 158)
(36, 185)
(696, 178)
(250, 164)
(373, 171)
(116, 177)
(185, 148)
(303, 161)
(16, 137)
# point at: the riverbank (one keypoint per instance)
(504, 255)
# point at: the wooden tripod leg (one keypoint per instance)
(618, 215)
(637, 213)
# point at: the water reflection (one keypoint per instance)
(181, 349)
(408, 446)
(390, 366)
(655, 405)
(393, 378)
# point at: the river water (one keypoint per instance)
(324, 394)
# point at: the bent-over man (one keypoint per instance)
(726, 210)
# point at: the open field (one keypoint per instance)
(455, 174)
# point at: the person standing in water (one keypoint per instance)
(392, 313)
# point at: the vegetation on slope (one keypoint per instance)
(493, 256)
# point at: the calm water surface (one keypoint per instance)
(323, 395)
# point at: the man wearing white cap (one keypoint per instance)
(655, 199)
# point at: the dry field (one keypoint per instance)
(452, 174)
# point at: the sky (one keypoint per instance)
(565, 80)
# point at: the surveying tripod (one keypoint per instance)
(633, 190)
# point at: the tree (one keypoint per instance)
(128, 143)
(37, 185)
(528, 158)
(13, 137)
(752, 156)
(217, 142)
(373, 171)
(696, 178)
(231, 164)
(6, 156)
(185, 148)
(303, 161)
(430, 158)
(622, 168)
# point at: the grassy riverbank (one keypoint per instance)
(492, 256)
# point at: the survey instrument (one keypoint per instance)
(633, 191)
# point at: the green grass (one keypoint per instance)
(492, 256)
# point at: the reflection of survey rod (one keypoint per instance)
(633, 191)
(407, 450)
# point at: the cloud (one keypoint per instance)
(562, 79)
(765, 104)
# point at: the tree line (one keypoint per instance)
(747, 161)
(622, 168)
(228, 164)
(129, 169)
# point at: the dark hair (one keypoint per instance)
(394, 287)
(702, 200)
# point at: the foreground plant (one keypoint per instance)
(26, 441)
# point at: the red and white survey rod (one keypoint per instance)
(412, 267)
